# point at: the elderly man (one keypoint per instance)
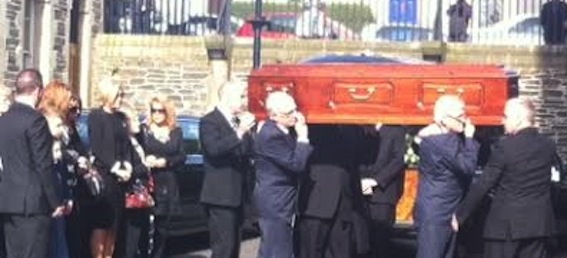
(281, 157)
(448, 160)
(520, 217)
(226, 146)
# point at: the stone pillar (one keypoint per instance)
(219, 75)
(45, 40)
(85, 45)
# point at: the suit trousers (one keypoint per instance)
(382, 218)
(325, 238)
(27, 236)
(524, 248)
(225, 230)
(435, 240)
(276, 238)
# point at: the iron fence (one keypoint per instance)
(525, 22)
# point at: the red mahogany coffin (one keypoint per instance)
(393, 93)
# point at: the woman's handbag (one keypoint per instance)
(139, 197)
(93, 181)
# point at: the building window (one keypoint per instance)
(30, 35)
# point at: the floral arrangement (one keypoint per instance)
(410, 158)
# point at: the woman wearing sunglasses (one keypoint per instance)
(164, 156)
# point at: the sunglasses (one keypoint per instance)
(157, 110)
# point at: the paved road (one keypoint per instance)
(197, 247)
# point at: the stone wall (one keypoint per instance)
(55, 51)
(175, 66)
(185, 74)
(3, 31)
(12, 26)
(62, 16)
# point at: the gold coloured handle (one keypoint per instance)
(441, 90)
(361, 97)
(460, 91)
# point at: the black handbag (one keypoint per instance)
(93, 180)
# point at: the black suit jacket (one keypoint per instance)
(388, 168)
(519, 172)
(331, 176)
(27, 180)
(226, 161)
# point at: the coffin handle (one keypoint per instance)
(460, 91)
(269, 88)
(441, 90)
(332, 105)
(361, 97)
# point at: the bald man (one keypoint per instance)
(28, 190)
(448, 160)
(520, 217)
(281, 158)
(226, 142)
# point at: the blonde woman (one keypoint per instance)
(164, 155)
(112, 151)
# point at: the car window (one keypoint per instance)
(282, 24)
(190, 130)
(531, 25)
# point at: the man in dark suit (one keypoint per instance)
(28, 195)
(383, 183)
(330, 201)
(226, 143)
(448, 160)
(520, 217)
(281, 158)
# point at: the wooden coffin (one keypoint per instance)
(388, 93)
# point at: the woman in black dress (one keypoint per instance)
(113, 157)
(165, 156)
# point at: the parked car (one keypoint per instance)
(190, 216)
(396, 33)
(524, 29)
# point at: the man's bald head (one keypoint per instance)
(27, 81)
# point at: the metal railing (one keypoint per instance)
(477, 21)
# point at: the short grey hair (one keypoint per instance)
(523, 108)
(230, 89)
(445, 105)
(279, 102)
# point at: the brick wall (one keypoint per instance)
(176, 66)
